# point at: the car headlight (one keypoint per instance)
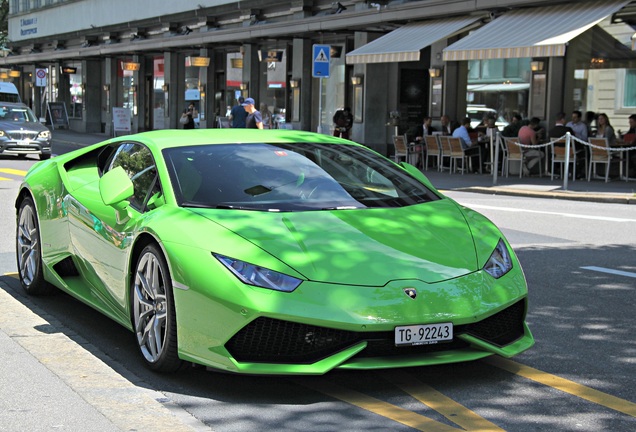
(2, 133)
(259, 276)
(44, 134)
(499, 262)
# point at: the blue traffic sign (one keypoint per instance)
(321, 58)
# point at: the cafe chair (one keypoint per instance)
(513, 152)
(600, 156)
(558, 156)
(444, 152)
(401, 148)
(432, 151)
(456, 153)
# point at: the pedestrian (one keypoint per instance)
(254, 119)
(266, 114)
(343, 120)
(238, 114)
(188, 116)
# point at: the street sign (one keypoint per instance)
(320, 64)
(40, 77)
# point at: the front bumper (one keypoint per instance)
(320, 327)
(25, 147)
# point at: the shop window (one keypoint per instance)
(275, 64)
(474, 69)
(129, 87)
(76, 88)
(233, 78)
(160, 94)
(194, 79)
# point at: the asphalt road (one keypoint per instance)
(580, 262)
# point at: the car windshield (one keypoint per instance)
(289, 177)
(16, 114)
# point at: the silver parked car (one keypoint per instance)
(21, 133)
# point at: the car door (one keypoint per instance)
(102, 235)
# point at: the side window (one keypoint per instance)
(137, 161)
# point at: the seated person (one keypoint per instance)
(463, 133)
(528, 136)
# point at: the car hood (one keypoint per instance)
(17, 126)
(431, 242)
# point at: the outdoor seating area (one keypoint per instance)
(595, 159)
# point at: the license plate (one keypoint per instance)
(25, 142)
(423, 334)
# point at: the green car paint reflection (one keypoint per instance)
(270, 252)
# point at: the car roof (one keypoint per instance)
(168, 138)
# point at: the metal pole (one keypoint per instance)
(495, 159)
(319, 130)
(566, 169)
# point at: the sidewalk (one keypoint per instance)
(615, 191)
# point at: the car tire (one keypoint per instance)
(153, 312)
(28, 250)
(45, 156)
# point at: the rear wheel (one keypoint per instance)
(28, 251)
(153, 312)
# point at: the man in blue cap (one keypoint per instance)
(254, 119)
(238, 114)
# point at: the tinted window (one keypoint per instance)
(289, 177)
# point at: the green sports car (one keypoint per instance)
(269, 252)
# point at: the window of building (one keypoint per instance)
(333, 92)
(273, 64)
(499, 84)
(194, 78)
(160, 95)
(127, 97)
(233, 78)
(629, 91)
(76, 88)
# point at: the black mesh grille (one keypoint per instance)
(501, 328)
(268, 340)
(272, 340)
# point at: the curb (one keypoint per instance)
(566, 195)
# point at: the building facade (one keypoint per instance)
(392, 62)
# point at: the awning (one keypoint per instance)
(405, 43)
(535, 32)
(497, 87)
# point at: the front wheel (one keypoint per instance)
(28, 251)
(153, 312)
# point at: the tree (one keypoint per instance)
(4, 22)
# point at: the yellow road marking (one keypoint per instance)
(376, 406)
(4, 178)
(565, 385)
(13, 275)
(455, 412)
(13, 171)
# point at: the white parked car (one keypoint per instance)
(476, 114)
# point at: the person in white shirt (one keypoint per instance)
(577, 125)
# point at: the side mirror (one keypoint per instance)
(115, 187)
